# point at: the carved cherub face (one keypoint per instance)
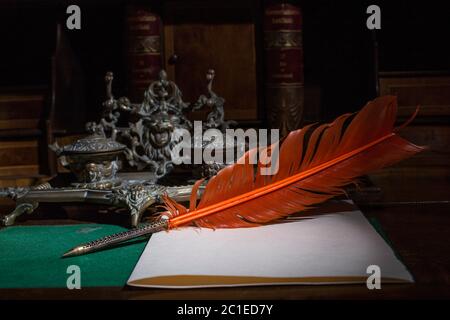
(161, 127)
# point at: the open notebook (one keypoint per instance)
(331, 248)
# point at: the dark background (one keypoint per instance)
(342, 62)
(338, 48)
(410, 200)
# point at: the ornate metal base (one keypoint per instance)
(136, 197)
(100, 185)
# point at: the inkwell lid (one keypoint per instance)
(94, 143)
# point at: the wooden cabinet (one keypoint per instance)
(430, 91)
(202, 35)
(430, 168)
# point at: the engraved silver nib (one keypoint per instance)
(114, 239)
(74, 252)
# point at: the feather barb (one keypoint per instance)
(314, 164)
(186, 218)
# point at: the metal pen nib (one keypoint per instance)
(109, 241)
(74, 252)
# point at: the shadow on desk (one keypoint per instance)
(417, 226)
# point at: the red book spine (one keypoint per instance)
(143, 31)
(284, 65)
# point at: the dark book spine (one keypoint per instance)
(284, 65)
(144, 58)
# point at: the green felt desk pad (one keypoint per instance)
(30, 256)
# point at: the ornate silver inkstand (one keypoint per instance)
(94, 160)
(153, 130)
(153, 127)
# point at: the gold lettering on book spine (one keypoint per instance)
(280, 39)
(285, 104)
(145, 44)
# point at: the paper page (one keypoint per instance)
(333, 248)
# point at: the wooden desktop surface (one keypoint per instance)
(413, 212)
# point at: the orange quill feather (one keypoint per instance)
(315, 163)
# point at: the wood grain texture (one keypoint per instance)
(430, 90)
(404, 225)
(418, 232)
(432, 93)
(219, 36)
(21, 111)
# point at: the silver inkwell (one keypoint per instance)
(122, 165)
(94, 161)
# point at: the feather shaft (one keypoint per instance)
(196, 214)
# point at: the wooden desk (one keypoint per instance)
(419, 232)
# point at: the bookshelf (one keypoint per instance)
(67, 68)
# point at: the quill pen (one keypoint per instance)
(314, 164)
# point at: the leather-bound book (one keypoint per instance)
(284, 65)
(144, 58)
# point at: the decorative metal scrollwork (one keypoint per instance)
(216, 118)
(155, 126)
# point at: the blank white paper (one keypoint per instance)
(337, 246)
